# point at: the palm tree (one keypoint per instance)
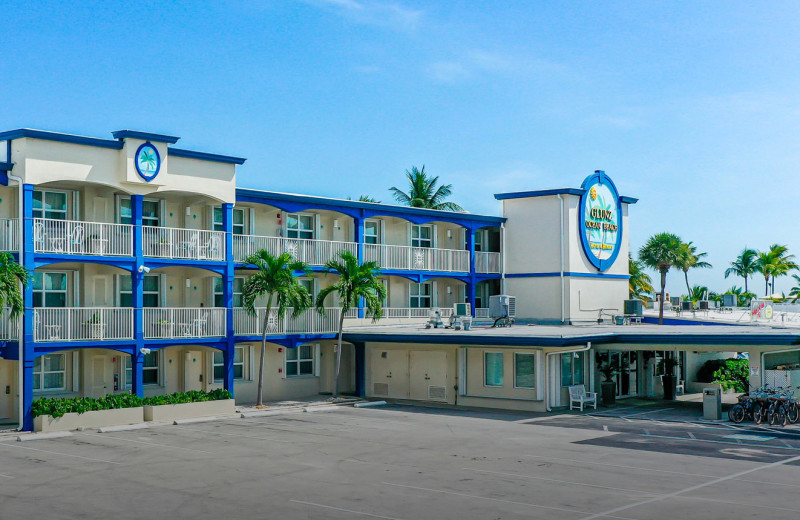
(689, 258)
(355, 282)
(640, 285)
(660, 252)
(794, 292)
(275, 279)
(773, 263)
(12, 278)
(697, 293)
(366, 198)
(423, 193)
(744, 265)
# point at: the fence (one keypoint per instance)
(82, 238)
(312, 252)
(186, 322)
(183, 244)
(308, 322)
(9, 234)
(487, 263)
(82, 324)
(417, 258)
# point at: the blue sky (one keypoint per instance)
(692, 107)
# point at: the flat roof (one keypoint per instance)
(571, 335)
(556, 191)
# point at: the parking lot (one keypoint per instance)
(405, 462)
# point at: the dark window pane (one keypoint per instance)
(306, 367)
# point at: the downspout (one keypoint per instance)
(547, 369)
(20, 342)
(503, 258)
(561, 230)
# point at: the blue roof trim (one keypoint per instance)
(145, 136)
(63, 138)
(6, 166)
(252, 195)
(628, 200)
(539, 193)
(567, 273)
(203, 156)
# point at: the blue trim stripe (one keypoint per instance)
(627, 200)
(567, 273)
(6, 166)
(145, 136)
(203, 156)
(63, 138)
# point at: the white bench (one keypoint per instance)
(579, 395)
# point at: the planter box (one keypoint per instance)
(94, 419)
(170, 412)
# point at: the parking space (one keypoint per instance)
(406, 462)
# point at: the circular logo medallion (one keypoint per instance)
(600, 220)
(147, 161)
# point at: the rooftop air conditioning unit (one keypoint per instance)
(502, 309)
(634, 308)
(675, 301)
(729, 300)
(704, 305)
(686, 306)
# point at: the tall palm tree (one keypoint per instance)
(423, 193)
(698, 292)
(13, 277)
(660, 252)
(274, 279)
(366, 198)
(355, 282)
(640, 285)
(794, 292)
(744, 265)
(773, 263)
(689, 258)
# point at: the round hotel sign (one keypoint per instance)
(600, 220)
(147, 161)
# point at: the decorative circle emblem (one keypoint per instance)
(147, 161)
(600, 220)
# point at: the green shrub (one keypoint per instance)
(57, 406)
(733, 374)
(705, 374)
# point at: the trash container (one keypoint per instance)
(619, 320)
(712, 404)
(466, 321)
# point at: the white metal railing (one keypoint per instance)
(417, 258)
(481, 313)
(74, 237)
(405, 312)
(183, 244)
(487, 262)
(183, 322)
(352, 313)
(9, 234)
(312, 252)
(82, 324)
(309, 322)
(9, 330)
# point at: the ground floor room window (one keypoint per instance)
(238, 364)
(420, 296)
(49, 372)
(300, 361)
(524, 370)
(150, 368)
(493, 368)
(572, 368)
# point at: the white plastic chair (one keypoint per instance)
(75, 240)
(579, 396)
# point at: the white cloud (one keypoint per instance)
(393, 15)
(479, 62)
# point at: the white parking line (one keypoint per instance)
(5, 476)
(645, 413)
(502, 500)
(104, 436)
(343, 510)
(570, 482)
(692, 488)
(58, 453)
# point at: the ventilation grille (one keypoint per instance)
(380, 388)
(437, 393)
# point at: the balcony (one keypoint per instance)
(487, 263)
(82, 324)
(309, 322)
(9, 330)
(410, 258)
(183, 244)
(71, 237)
(312, 252)
(173, 323)
(9, 233)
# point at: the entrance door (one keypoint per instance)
(626, 365)
(428, 375)
(193, 371)
(8, 391)
(390, 374)
(99, 382)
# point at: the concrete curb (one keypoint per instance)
(320, 408)
(43, 436)
(210, 418)
(268, 413)
(370, 404)
(126, 427)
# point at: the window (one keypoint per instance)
(128, 370)
(372, 232)
(238, 287)
(479, 238)
(238, 364)
(524, 370)
(300, 361)
(50, 204)
(49, 289)
(572, 368)
(493, 368)
(308, 283)
(238, 220)
(421, 236)
(150, 368)
(419, 295)
(299, 225)
(151, 212)
(151, 291)
(49, 372)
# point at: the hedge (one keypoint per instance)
(57, 406)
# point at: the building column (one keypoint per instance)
(29, 317)
(473, 279)
(137, 286)
(137, 373)
(358, 225)
(361, 373)
(227, 297)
